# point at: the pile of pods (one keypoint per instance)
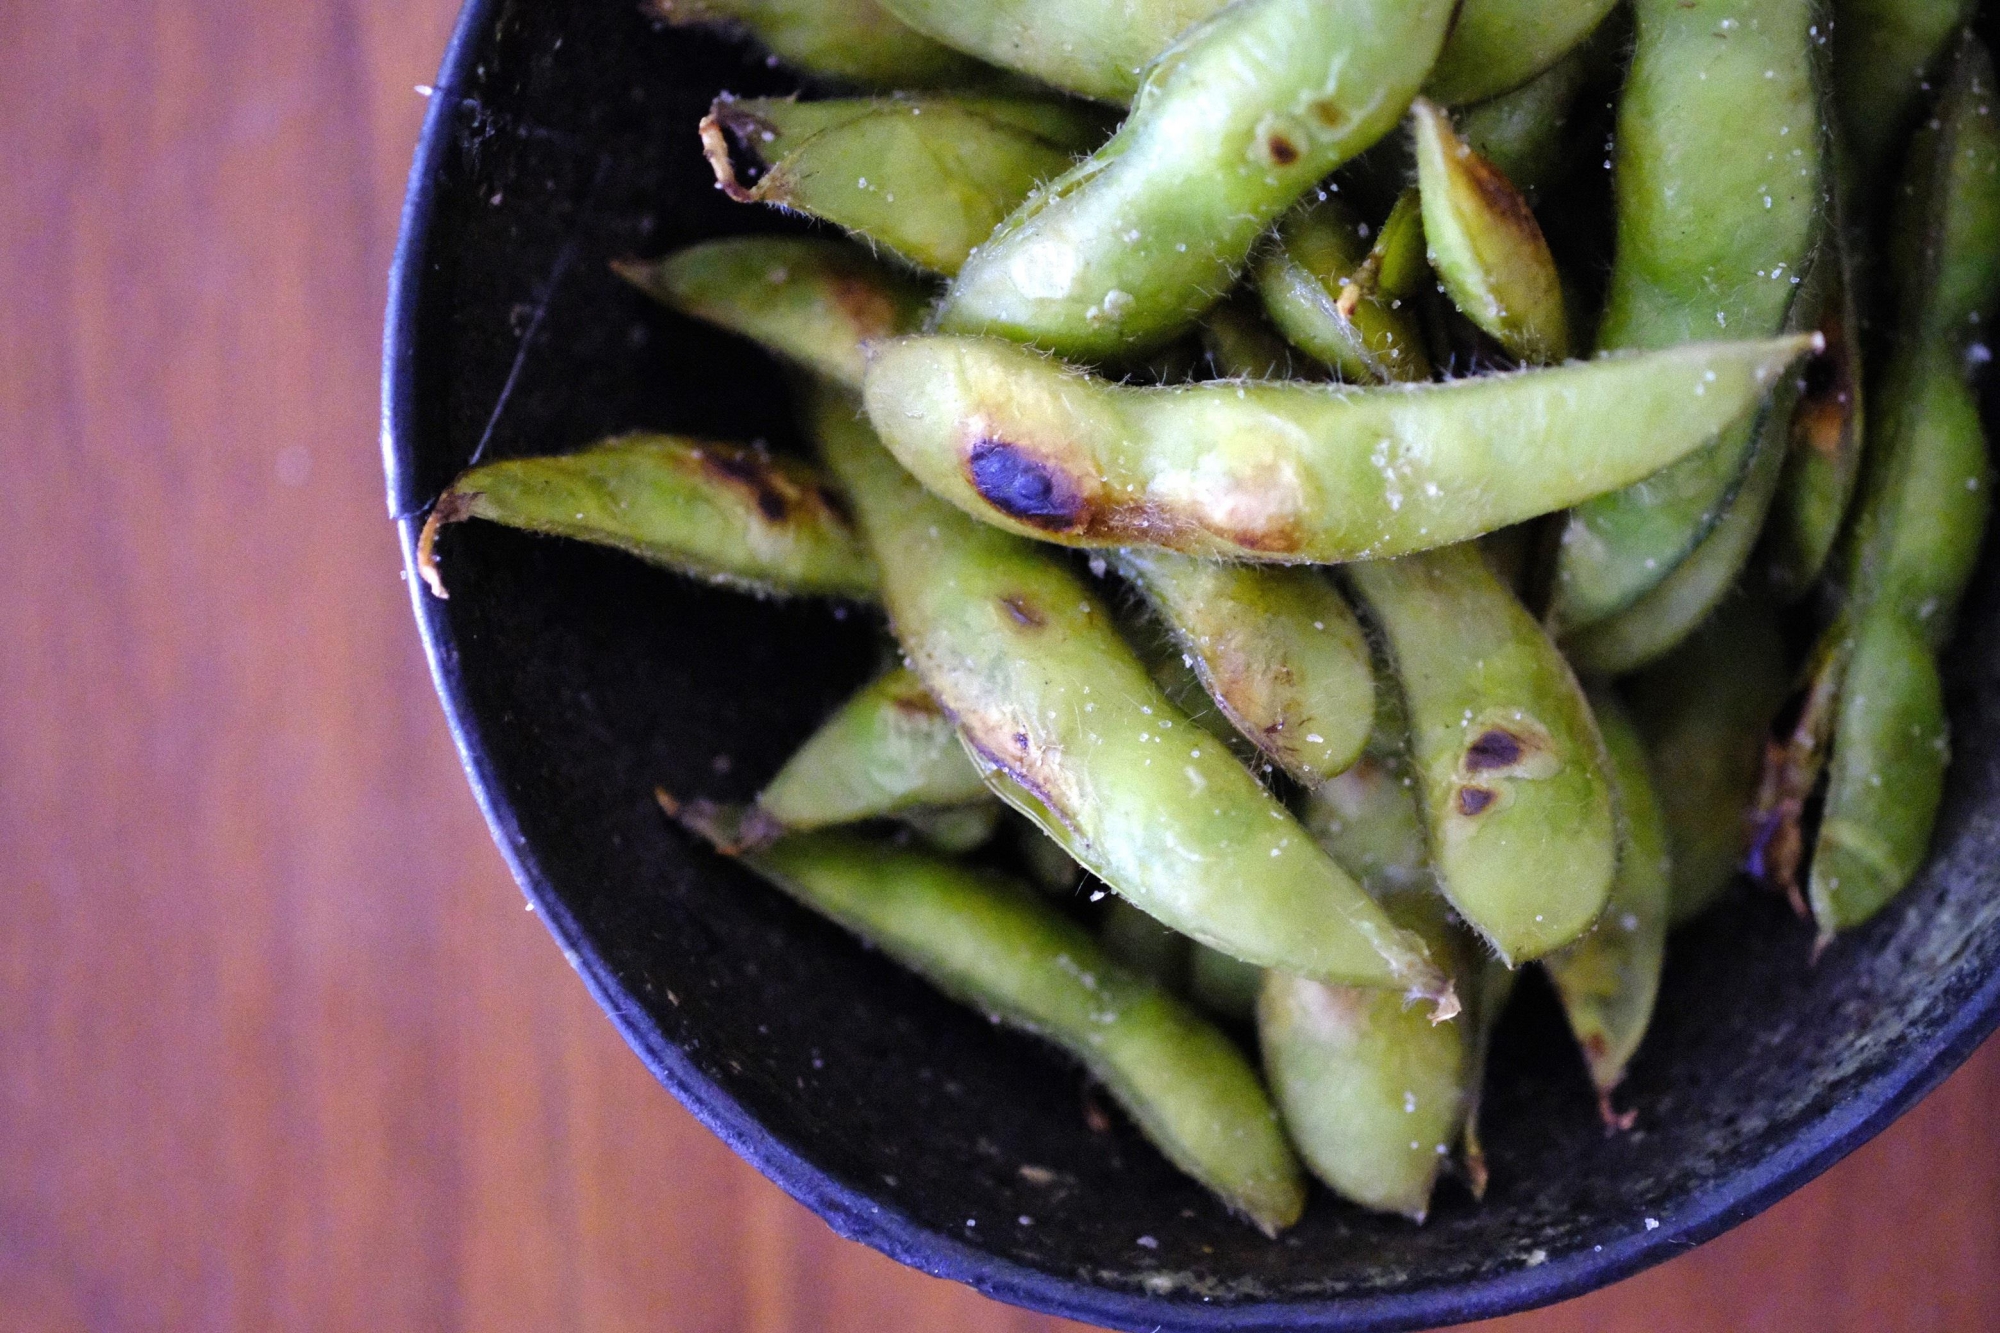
(1458, 593)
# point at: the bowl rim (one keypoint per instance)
(1818, 1145)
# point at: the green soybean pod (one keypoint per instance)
(1235, 123)
(1721, 186)
(1241, 345)
(812, 300)
(1498, 45)
(1308, 280)
(926, 178)
(1368, 820)
(1509, 762)
(955, 830)
(1668, 612)
(1069, 729)
(1293, 473)
(1884, 54)
(1490, 995)
(1705, 712)
(1886, 776)
(1608, 980)
(1823, 454)
(1098, 48)
(1485, 245)
(1523, 132)
(855, 40)
(993, 944)
(1279, 650)
(1144, 945)
(723, 513)
(887, 750)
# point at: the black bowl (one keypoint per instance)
(561, 136)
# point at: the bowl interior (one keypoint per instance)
(561, 137)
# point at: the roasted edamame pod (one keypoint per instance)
(995, 945)
(1069, 729)
(724, 513)
(1924, 508)
(855, 40)
(1517, 805)
(1279, 650)
(1704, 712)
(816, 301)
(1885, 53)
(1721, 186)
(1498, 45)
(1372, 1094)
(1485, 245)
(926, 178)
(1293, 472)
(1607, 981)
(1310, 278)
(1248, 112)
(887, 750)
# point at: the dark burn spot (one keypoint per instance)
(1021, 741)
(1824, 418)
(1021, 610)
(1472, 800)
(916, 704)
(1595, 1047)
(1024, 487)
(1327, 112)
(755, 475)
(1282, 150)
(1492, 749)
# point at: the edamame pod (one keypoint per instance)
(1240, 345)
(855, 40)
(1522, 133)
(926, 178)
(1490, 995)
(1485, 245)
(1279, 651)
(1498, 45)
(1069, 729)
(1924, 509)
(1367, 817)
(1243, 116)
(1704, 712)
(723, 513)
(993, 944)
(1309, 280)
(955, 830)
(815, 301)
(1885, 778)
(1101, 47)
(887, 750)
(1288, 472)
(1372, 1094)
(1721, 187)
(1509, 762)
(1668, 612)
(1607, 981)
(1884, 55)
(1823, 454)
(1144, 945)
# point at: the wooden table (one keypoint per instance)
(278, 1046)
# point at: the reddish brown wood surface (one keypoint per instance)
(279, 1048)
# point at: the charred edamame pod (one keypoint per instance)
(927, 178)
(1510, 768)
(1485, 245)
(887, 750)
(812, 300)
(995, 945)
(1279, 650)
(1311, 279)
(1705, 711)
(1721, 187)
(1070, 730)
(855, 40)
(1290, 472)
(1607, 980)
(1248, 112)
(725, 513)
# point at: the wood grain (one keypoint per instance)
(279, 1047)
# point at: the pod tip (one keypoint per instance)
(451, 507)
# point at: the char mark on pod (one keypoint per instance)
(1472, 800)
(1022, 611)
(1024, 487)
(767, 486)
(1491, 749)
